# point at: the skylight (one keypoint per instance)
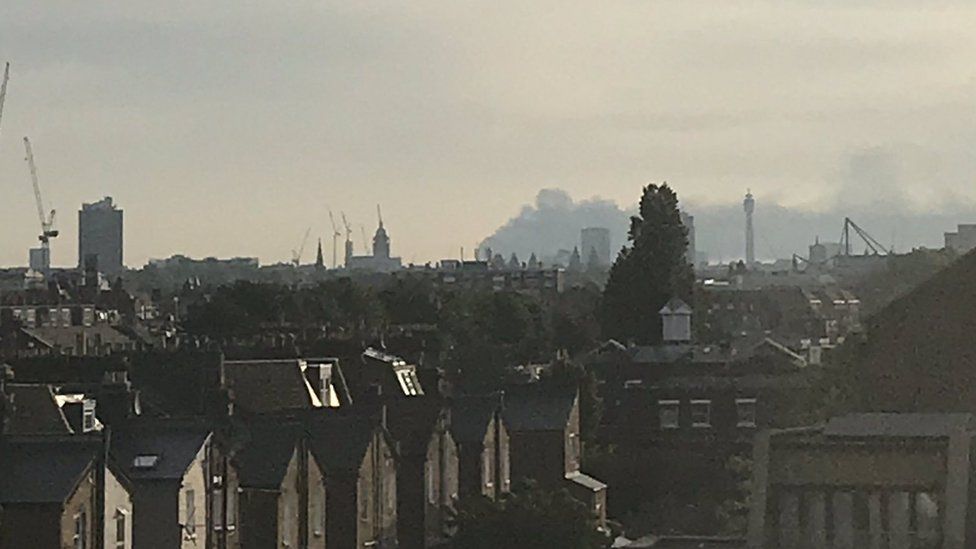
(145, 461)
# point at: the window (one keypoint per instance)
(190, 524)
(431, 484)
(81, 530)
(120, 529)
(486, 468)
(317, 510)
(88, 415)
(231, 509)
(66, 317)
(701, 413)
(575, 448)
(745, 410)
(669, 413)
(363, 499)
(147, 461)
(217, 509)
(389, 486)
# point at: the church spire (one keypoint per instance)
(319, 259)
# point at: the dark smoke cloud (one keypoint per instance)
(554, 222)
(874, 193)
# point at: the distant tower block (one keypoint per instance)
(596, 241)
(750, 206)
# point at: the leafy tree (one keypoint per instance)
(410, 300)
(530, 517)
(650, 271)
(486, 333)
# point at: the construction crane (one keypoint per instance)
(296, 255)
(845, 241)
(3, 88)
(362, 230)
(47, 220)
(335, 239)
(348, 227)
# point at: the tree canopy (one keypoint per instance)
(530, 517)
(650, 271)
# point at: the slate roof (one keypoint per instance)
(532, 408)
(676, 306)
(35, 411)
(66, 337)
(175, 443)
(44, 469)
(681, 542)
(339, 442)
(412, 422)
(471, 416)
(920, 349)
(899, 425)
(262, 386)
(264, 460)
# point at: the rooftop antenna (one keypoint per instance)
(379, 215)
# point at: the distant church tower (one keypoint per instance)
(750, 206)
(381, 240)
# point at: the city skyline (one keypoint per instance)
(249, 123)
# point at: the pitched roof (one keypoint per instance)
(35, 411)
(676, 306)
(264, 460)
(898, 425)
(586, 481)
(173, 444)
(262, 386)
(471, 416)
(339, 442)
(44, 469)
(412, 422)
(920, 349)
(537, 408)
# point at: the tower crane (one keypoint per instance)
(3, 88)
(335, 239)
(296, 255)
(845, 241)
(348, 228)
(47, 221)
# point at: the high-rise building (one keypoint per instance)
(40, 259)
(100, 236)
(595, 240)
(749, 205)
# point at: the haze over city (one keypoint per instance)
(226, 129)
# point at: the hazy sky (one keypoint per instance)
(227, 127)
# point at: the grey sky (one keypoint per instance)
(226, 127)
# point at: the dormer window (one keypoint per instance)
(145, 461)
(701, 413)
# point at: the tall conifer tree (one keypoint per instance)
(649, 271)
